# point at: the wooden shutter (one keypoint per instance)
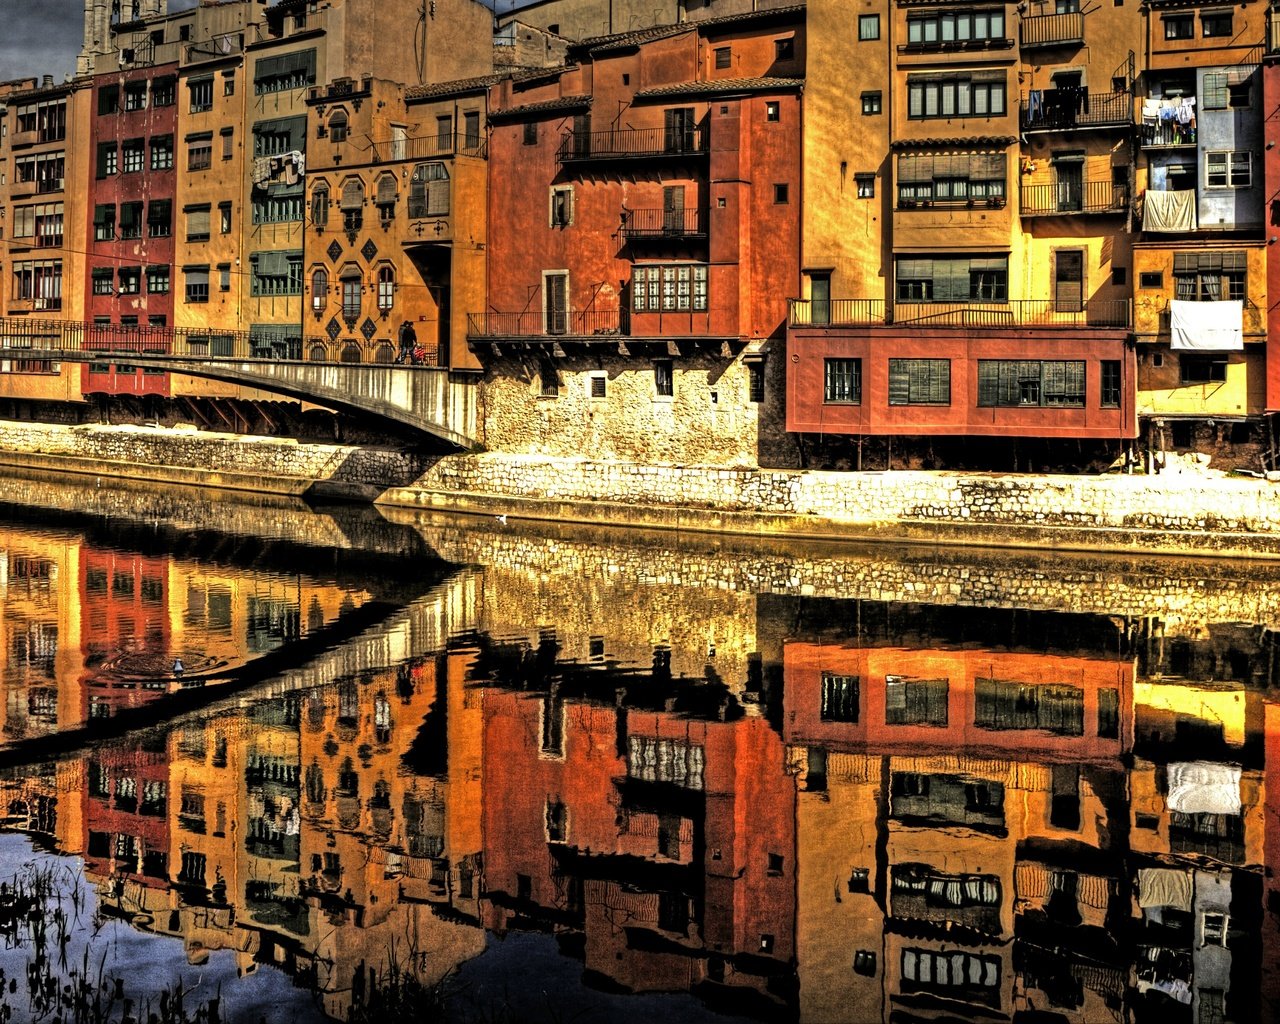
(386, 190)
(557, 303)
(899, 381)
(1068, 281)
(352, 195)
(438, 198)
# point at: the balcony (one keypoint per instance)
(1014, 313)
(1167, 134)
(1052, 110)
(607, 326)
(632, 144)
(1052, 30)
(1067, 198)
(650, 224)
(429, 147)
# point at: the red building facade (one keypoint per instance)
(660, 187)
(132, 188)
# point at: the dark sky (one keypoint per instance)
(42, 37)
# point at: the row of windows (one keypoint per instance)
(196, 282)
(39, 282)
(130, 156)
(1216, 24)
(48, 120)
(1002, 383)
(46, 171)
(428, 197)
(352, 289)
(107, 226)
(128, 280)
(112, 99)
(42, 222)
(999, 704)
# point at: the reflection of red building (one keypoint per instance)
(976, 699)
(1270, 940)
(125, 630)
(668, 841)
(130, 233)
(126, 816)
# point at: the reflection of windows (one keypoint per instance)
(1109, 713)
(966, 975)
(915, 701)
(1213, 929)
(552, 727)
(677, 762)
(557, 821)
(839, 698)
(1055, 708)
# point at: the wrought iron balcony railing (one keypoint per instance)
(1069, 197)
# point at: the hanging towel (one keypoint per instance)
(1169, 211)
(1204, 787)
(1164, 887)
(1151, 109)
(1033, 105)
(1212, 327)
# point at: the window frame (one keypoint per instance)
(841, 380)
(868, 28)
(938, 372)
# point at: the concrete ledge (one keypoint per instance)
(223, 479)
(801, 527)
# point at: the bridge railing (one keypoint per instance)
(73, 339)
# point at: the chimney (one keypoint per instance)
(47, 82)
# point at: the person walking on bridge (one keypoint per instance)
(408, 342)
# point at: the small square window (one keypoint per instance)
(663, 378)
(772, 111)
(1238, 95)
(1151, 279)
(1157, 360)
(866, 185)
(1119, 83)
(766, 943)
(1213, 929)
(1215, 24)
(531, 133)
(784, 49)
(868, 27)
(1180, 26)
(781, 193)
(864, 962)
(775, 864)
(598, 386)
(724, 57)
(860, 880)
(872, 103)
(1119, 275)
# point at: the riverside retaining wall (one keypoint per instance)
(1169, 514)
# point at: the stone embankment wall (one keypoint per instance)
(260, 464)
(1168, 513)
(1186, 595)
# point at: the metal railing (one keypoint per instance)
(533, 323)
(687, 222)
(1067, 197)
(632, 143)
(598, 324)
(428, 147)
(1014, 313)
(1052, 30)
(1168, 133)
(74, 341)
(1056, 109)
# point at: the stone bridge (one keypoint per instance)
(429, 399)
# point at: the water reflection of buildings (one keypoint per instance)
(891, 813)
(90, 629)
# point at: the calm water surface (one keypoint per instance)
(468, 772)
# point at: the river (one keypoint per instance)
(267, 762)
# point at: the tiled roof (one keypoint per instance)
(972, 142)
(542, 107)
(625, 40)
(455, 88)
(760, 15)
(719, 87)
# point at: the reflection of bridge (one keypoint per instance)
(429, 399)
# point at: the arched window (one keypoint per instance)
(386, 287)
(350, 353)
(319, 354)
(338, 126)
(429, 191)
(352, 204)
(320, 206)
(352, 286)
(384, 353)
(319, 288)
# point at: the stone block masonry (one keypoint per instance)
(1172, 514)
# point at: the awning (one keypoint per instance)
(1206, 326)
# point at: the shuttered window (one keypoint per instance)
(387, 190)
(919, 381)
(916, 701)
(952, 279)
(1023, 382)
(429, 191)
(1068, 281)
(197, 223)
